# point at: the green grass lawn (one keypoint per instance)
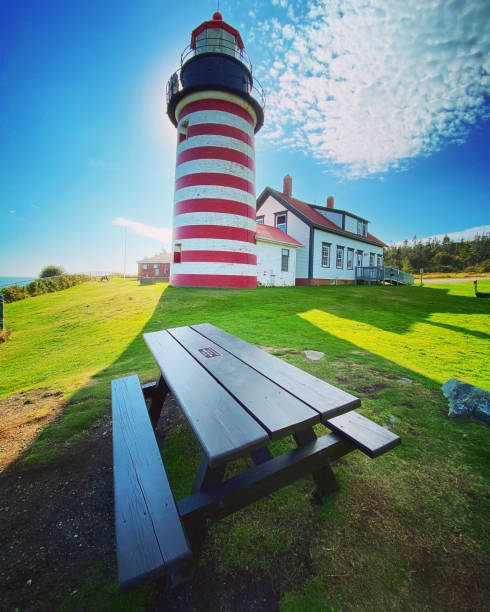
(406, 531)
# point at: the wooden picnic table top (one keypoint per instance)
(247, 397)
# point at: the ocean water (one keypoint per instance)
(6, 281)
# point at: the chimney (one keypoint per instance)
(287, 185)
(330, 202)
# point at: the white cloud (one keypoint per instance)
(372, 85)
(468, 234)
(162, 234)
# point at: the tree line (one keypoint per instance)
(437, 256)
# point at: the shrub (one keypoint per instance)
(51, 271)
(42, 285)
(484, 266)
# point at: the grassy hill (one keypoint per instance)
(408, 530)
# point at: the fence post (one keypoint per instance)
(1, 312)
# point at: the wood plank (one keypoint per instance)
(275, 409)
(369, 437)
(324, 478)
(326, 399)
(224, 429)
(157, 399)
(150, 537)
(149, 388)
(200, 509)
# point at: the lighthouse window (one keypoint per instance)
(184, 128)
(216, 40)
(177, 253)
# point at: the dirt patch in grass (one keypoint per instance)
(56, 521)
(371, 390)
(57, 540)
(279, 351)
(22, 417)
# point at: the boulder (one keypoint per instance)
(466, 400)
(314, 355)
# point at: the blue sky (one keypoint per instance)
(384, 106)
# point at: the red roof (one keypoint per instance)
(318, 219)
(267, 232)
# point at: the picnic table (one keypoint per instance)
(236, 398)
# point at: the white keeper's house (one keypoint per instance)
(329, 243)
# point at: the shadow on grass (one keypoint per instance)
(268, 317)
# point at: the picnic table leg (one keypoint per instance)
(207, 476)
(157, 400)
(261, 455)
(324, 478)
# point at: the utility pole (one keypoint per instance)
(125, 240)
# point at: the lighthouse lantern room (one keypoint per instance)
(211, 101)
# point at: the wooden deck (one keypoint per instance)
(383, 274)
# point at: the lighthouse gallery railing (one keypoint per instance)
(215, 45)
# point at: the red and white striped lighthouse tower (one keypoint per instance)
(216, 116)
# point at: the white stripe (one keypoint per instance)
(251, 209)
(214, 191)
(221, 117)
(214, 140)
(216, 244)
(210, 267)
(211, 94)
(220, 166)
(213, 218)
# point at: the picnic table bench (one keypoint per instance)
(236, 399)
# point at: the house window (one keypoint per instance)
(260, 219)
(325, 255)
(371, 259)
(177, 252)
(362, 228)
(380, 260)
(350, 259)
(145, 266)
(359, 259)
(281, 221)
(157, 270)
(340, 257)
(284, 260)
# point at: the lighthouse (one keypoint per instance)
(217, 109)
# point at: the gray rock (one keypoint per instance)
(466, 400)
(314, 355)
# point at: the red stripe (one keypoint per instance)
(218, 105)
(218, 129)
(219, 256)
(214, 231)
(219, 281)
(229, 207)
(215, 178)
(216, 153)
